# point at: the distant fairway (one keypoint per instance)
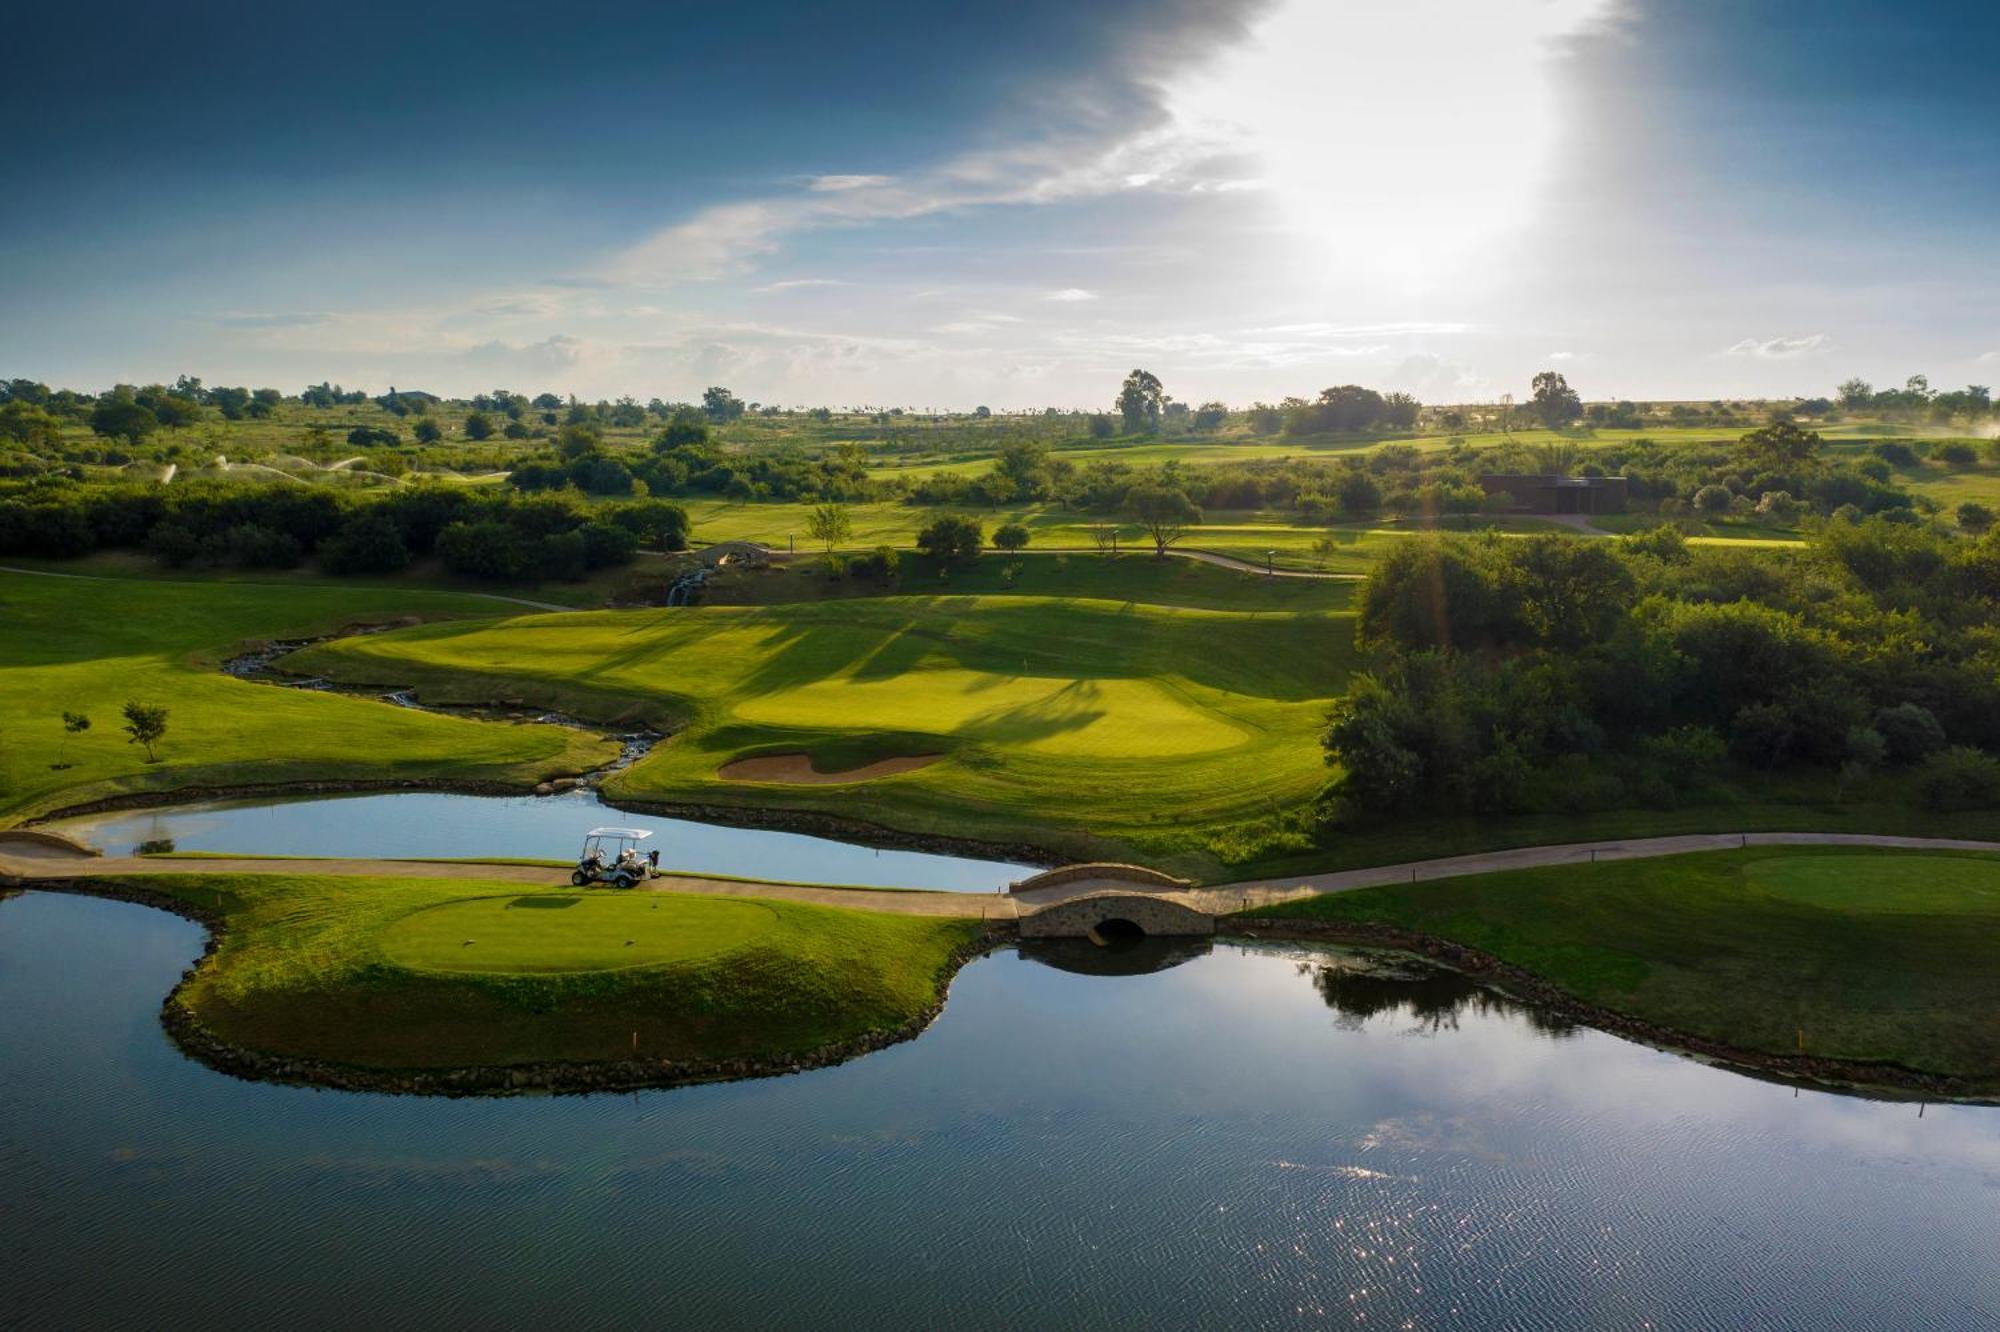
(538, 932)
(1089, 727)
(86, 645)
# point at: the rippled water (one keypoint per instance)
(422, 823)
(1246, 1139)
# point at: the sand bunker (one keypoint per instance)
(799, 770)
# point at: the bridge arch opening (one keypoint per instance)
(1117, 932)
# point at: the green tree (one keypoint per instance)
(1781, 446)
(952, 540)
(428, 431)
(1974, 517)
(145, 724)
(720, 404)
(74, 724)
(1010, 537)
(1856, 394)
(829, 524)
(1554, 402)
(1139, 402)
(123, 418)
(1165, 513)
(479, 426)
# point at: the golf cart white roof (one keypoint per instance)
(632, 834)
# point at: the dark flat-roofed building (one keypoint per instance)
(1558, 494)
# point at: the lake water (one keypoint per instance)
(1256, 1137)
(419, 824)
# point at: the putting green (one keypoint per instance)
(1213, 715)
(541, 933)
(1927, 886)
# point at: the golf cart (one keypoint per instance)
(611, 855)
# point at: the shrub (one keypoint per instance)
(250, 546)
(1713, 500)
(1012, 536)
(1959, 778)
(368, 543)
(1957, 453)
(369, 437)
(1911, 732)
(1894, 452)
(952, 540)
(606, 544)
(882, 564)
(1974, 517)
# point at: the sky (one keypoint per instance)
(1004, 202)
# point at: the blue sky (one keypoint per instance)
(1005, 203)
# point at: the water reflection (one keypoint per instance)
(1127, 956)
(1362, 986)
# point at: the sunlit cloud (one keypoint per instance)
(1072, 294)
(800, 284)
(829, 184)
(1399, 137)
(1781, 349)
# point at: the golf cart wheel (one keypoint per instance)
(579, 878)
(623, 881)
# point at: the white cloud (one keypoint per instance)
(1782, 348)
(1072, 294)
(558, 352)
(834, 184)
(800, 284)
(252, 319)
(1561, 356)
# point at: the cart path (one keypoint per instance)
(24, 867)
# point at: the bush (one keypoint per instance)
(1959, 778)
(952, 540)
(249, 546)
(606, 544)
(368, 543)
(1713, 500)
(370, 437)
(1894, 452)
(485, 549)
(1010, 537)
(1911, 732)
(1974, 517)
(1957, 453)
(881, 564)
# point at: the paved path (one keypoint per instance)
(25, 866)
(1263, 892)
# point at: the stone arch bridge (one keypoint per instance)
(1105, 901)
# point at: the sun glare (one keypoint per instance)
(1399, 137)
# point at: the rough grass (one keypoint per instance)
(1860, 954)
(376, 973)
(87, 645)
(1172, 721)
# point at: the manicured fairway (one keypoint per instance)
(543, 932)
(1174, 721)
(87, 645)
(1856, 954)
(379, 973)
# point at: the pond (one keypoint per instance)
(428, 824)
(1234, 1136)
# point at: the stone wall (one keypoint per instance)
(1135, 874)
(1077, 917)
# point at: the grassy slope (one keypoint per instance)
(375, 972)
(85, 645)
(1137, 578)
(1172, 720)
(1873, 955)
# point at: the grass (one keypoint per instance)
(416, 973)
(87, 645)
(1178, 723)
(1859, 954)
(1125, 578)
